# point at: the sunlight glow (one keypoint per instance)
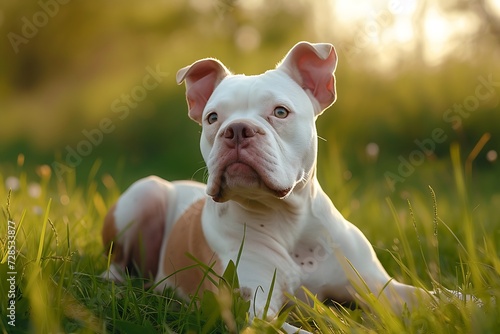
(403, 31)
(436, 28)
(381, 27)
(441, 31)
(402, 7)
(495, 5)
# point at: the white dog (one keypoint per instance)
(259, 143)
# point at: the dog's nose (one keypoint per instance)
(239, 131)
(236, 133)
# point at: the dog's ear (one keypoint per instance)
(312, 67)
(201, 79)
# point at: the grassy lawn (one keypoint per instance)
(434, 234)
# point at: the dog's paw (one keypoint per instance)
(113, 274)
(451, 296)
(287, 328)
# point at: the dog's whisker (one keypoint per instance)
(205, 172)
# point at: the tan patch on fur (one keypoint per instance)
(109, 233)
(187, 238)
(144, 237)
(146, 247)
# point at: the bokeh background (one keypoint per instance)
(73, 69)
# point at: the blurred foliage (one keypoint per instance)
(68, 65)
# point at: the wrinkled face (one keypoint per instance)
(258, 138)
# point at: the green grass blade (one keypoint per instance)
(269, 296)
(42, 235)
(404, 239)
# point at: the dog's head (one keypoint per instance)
(259, 135)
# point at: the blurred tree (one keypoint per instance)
(486, 10)
(64, 65)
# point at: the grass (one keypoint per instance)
(430, 239)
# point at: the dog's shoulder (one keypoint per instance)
(188, 255)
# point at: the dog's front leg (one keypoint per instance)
(266, 287)
(265, 279)
(366, 275)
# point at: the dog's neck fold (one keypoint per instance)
(287, 216)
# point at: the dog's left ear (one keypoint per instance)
(312, 67)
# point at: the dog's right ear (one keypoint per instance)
(201, 79)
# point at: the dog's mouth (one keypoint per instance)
(241, 170)
(245, 180)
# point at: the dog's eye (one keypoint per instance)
(281, 112)
(212, 118)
